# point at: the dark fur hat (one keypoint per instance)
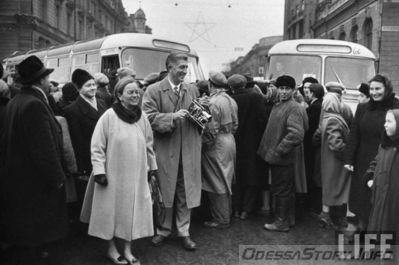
(80, 77)
(286, 80)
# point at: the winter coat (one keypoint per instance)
(366, 130)
(299, 162)
(284, 132)
(123, 151)
(33, 201)
(82, 118)
(3, 105)
(174, 140)
(252, 118)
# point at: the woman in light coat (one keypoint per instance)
(118, 200)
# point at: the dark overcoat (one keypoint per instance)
(252, 118)
(313, 112)
(365, 135)
(385, 197)
(33, 204)
(82, 119)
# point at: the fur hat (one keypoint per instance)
(80, 77)
(217, 78)
(237, 81)
(32, 69)
(69, 92)
(285, 80)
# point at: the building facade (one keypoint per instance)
(372, 23)
(30, 24)
(255, 61)
(137, 23)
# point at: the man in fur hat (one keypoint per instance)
(284, 132)
(33, 204)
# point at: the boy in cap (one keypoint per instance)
(284, 132)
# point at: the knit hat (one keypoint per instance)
(237, 81)
(335, 87)
(365, 89)
(217, 78)
(80, 77)
(285, 80)
(101, 78)
(69, 92)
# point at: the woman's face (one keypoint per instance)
(377, 91)
(362, 98)
(131, 95)
(89, 89)
(390, 124)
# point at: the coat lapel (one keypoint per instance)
(167, 89)
(86, 109)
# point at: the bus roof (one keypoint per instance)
(321, 46)
(113, 41)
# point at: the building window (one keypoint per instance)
(57, 16)
(44, 9)
(368, 33)
(342, 35)
(354, 34)
(300, 35)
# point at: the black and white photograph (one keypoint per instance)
(199, 132)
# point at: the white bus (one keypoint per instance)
(327, 60)
(143, 52)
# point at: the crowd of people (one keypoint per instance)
(86, 153)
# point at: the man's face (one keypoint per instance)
(285, 93)
(45, 84)
(308, 94)
(89, 89)
(178, 71)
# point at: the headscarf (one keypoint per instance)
(332, 107)
(389, 141)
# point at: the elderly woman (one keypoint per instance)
(219, 151)
(335, 180)
(118, 201)
(365, 135)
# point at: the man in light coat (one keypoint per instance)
(177, 144)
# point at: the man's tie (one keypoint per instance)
(177, 92)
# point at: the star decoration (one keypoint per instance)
(200, 29)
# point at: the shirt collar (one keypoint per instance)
(173, 85)
(92, 102)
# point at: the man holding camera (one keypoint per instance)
(177, 143)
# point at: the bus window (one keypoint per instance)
(109, 65)
(298, 66)
(348, 71)
(145, 61)
(52, 63)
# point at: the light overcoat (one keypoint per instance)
(174, 140)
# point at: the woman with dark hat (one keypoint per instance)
(365, 135)
(69, 94)
(33, 205)
(82, 116)
(118, 201)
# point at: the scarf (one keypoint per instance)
(127, 115)
(392, 141)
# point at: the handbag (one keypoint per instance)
(156, 194)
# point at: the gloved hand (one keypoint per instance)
(101, 179)
(152, 173)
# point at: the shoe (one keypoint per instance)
(214, 224)
(236, 214)
(325, 220)
(157, 240)
(119, 260)
(244, 215)
(134, 261)
(188, 244)
(278, 226)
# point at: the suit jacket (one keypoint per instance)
(82, 119)
(33, 204)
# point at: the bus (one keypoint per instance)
(326, 60)
(144, 53)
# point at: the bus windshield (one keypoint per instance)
(146, 61)
(297, 66)
(348, 71)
